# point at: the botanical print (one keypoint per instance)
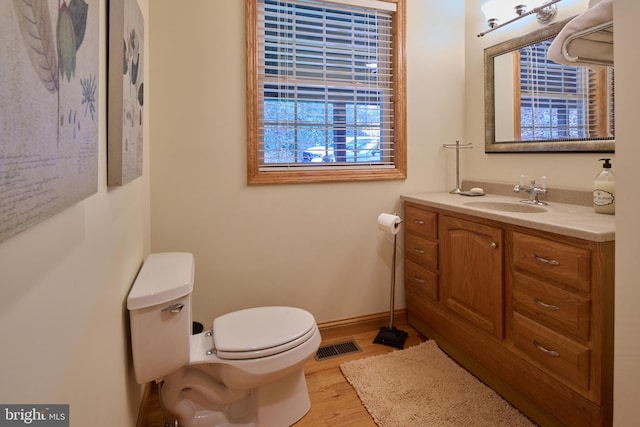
(49, 65)
(126, 91)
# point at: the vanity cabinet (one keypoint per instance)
(528, 312)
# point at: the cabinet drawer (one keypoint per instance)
(562, 357)
(421, 222)
(422, 251)
(420, 282)
(552, 305)
(565, 263)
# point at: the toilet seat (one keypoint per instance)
(260, 332)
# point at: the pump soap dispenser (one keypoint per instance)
(604, 190)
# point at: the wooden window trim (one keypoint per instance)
(517, 96)
(255, 176)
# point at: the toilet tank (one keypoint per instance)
(159, 305)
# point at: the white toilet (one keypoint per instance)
(247, 371)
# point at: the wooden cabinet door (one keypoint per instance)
(472, 273)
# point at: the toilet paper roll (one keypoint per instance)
(389, 223)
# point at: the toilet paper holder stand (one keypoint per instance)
(390, 335)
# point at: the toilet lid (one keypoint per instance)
(262, 331)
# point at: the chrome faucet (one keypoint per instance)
(533, 191)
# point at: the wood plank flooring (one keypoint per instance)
(333, 400)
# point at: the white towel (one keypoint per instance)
(589, 49)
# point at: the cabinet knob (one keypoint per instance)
(493, 245)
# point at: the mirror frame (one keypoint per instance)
(491, 146)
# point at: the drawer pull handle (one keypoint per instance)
(545, 261)
(418, 251)
(493, 245)
(545, 305)
(546, 350)
(417, 279)
(418, 221)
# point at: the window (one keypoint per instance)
(325, 90)
(559, 102)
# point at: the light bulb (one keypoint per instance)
(497, 11)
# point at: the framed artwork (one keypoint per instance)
(126, 92)
(49, 63)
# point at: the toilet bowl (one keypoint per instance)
(248, 370)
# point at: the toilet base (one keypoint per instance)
(277, 404)
(283, 402)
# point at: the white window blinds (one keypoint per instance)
(325, 83)
(554, 98)
(559, 102)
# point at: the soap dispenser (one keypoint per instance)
(604, 190)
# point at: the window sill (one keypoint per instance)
(314, 176)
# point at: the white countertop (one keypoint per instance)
(569, 220)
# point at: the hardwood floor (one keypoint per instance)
(333, 400)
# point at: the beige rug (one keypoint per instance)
(422, 386)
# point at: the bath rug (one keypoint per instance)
(422, 386)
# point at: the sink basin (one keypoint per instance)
(507, 206)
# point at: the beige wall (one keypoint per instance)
(627, 316)
(63, 284)
(314, 246)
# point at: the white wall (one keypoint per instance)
(63, 285)
(314, 246)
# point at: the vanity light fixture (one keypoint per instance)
(499, 12)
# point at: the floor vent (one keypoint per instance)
(336, 350)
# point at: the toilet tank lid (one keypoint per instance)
(163, 277)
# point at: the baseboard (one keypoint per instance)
(355, 325)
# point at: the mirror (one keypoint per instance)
(535, 105)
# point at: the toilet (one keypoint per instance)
(248, 370)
